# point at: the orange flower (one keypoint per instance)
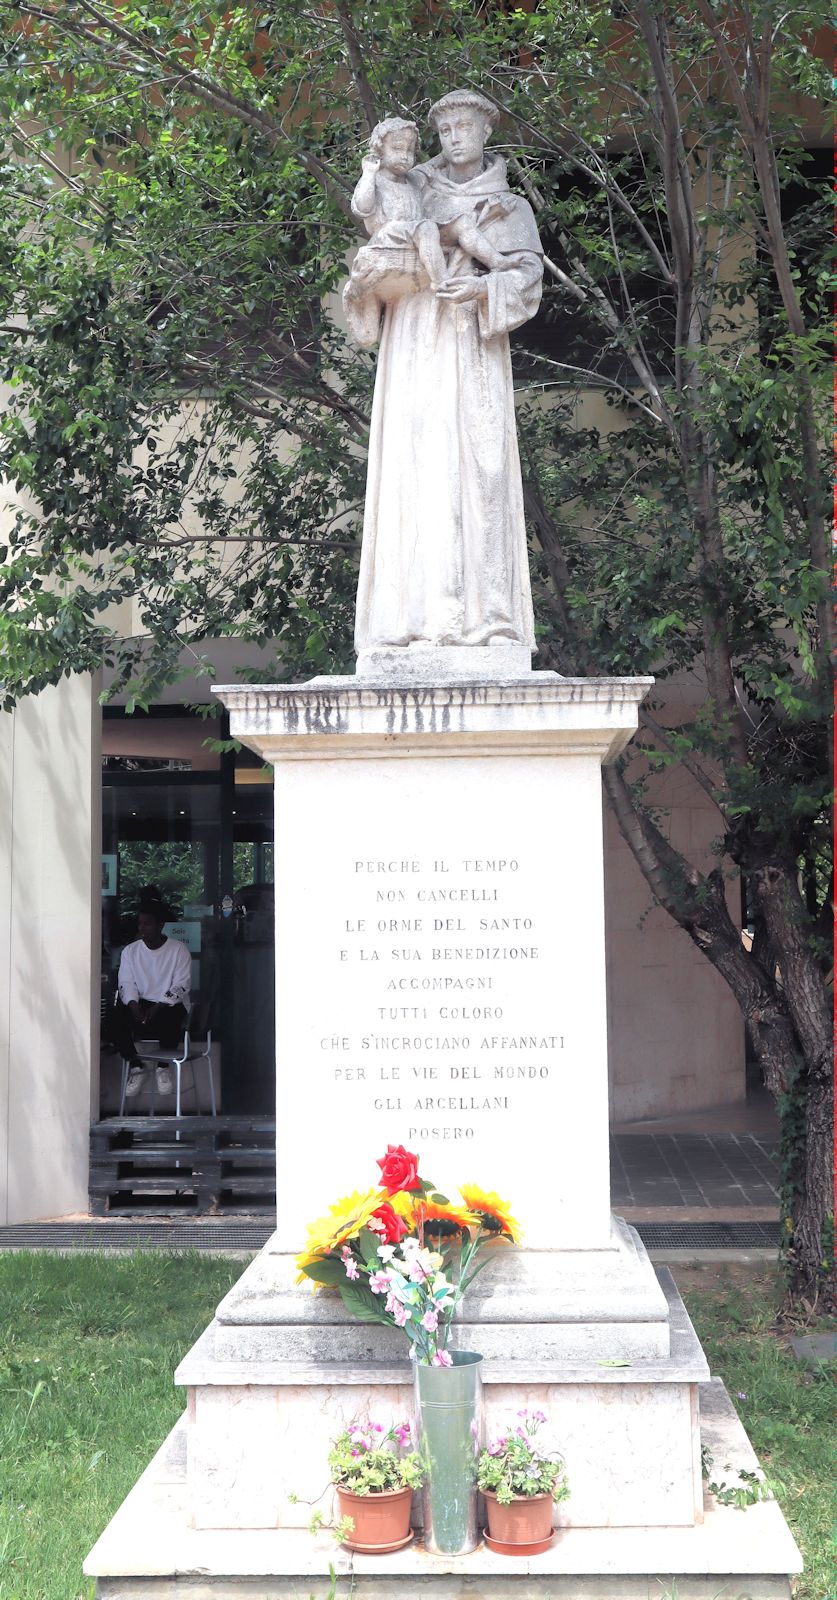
(491, 1211)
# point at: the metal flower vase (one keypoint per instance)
(449, 1428)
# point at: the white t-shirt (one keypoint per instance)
(164, 974)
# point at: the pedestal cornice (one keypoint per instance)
(348, 718)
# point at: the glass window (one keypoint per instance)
(200, 828)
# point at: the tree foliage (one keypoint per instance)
(185, 426)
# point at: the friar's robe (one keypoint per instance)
(444, 556)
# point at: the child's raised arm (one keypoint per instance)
(365, 197)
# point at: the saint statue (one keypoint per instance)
(453, 264)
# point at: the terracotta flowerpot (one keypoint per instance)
(519, 1526)
(381, 1521)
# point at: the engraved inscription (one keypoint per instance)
(453, 1036)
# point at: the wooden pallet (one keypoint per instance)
(203, 1165)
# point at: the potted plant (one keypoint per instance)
(374, 1476)
(403, 1255)
(521, 1482)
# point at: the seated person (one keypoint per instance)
(155, 978)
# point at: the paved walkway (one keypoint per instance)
(667, 1173)
(717, 1171)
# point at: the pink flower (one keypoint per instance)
(379, 1282)
(395, 1306)
(442, 1359)
(430, 1320)
(403, 1434)
(497, 1446)
(351, 1267)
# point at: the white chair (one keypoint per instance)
(193, 1049)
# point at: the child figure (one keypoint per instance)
(388, 201)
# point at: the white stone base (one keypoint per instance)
(260, 1428)
(500, 662)
(149, 1552)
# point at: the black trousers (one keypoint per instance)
(166, 1026)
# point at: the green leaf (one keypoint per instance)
(363, 1304)
(368, 1243)
(331, 1273)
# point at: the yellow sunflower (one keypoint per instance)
(493, 1212)
(404, 1204)
(341, 1222)
(458, 1217)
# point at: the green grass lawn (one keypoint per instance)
(88, 1344)
(787, 1408)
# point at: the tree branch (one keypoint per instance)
(206, 90)
(356, 62)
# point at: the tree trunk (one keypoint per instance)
(808, 1120)
(780, 990)
(811, 1249)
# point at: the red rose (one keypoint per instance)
(399, 1169)
(386, 1222)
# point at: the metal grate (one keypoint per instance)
(709, 1235)
(236, 1234)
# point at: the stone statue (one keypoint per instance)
(452, 266)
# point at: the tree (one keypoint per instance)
(186, 426)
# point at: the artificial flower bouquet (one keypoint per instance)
(403, 1255)
(513, 1465)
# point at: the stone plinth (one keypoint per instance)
(440, 938)
(266, 1398)
(560, 1305)
(503, 662)
(150, 1551)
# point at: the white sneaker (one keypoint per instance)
(164, 1081)
(134, 1083)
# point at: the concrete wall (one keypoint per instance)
(50, 848)
(675, 1031)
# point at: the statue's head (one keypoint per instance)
(395, 143)
(463, 120)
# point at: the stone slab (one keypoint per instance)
(685, 1363)
(445, 664)
(562, 1305)
(519, 1586)
(148, 1551)
(208, 1362)
(812, 1348)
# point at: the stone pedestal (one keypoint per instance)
(441, 984)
